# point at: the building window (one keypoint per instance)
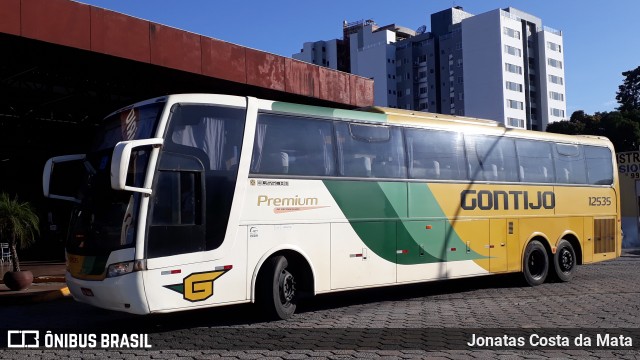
(408, 76)
(513, 68)
(460, 80)
(423, 90)
(459, 46)
(514, 104)
(557, 112)
(511, 32)
(460, 96)
(514, 86)
(554, 47)
(556, 79)
(556, 96)
(459, 62)
(555, 63)
(422, 74)
(515, 122)
(513, 51)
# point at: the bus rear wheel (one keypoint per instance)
(535, 263)
(564, 261)
(277, 292)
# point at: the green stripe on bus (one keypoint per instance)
(298, 109)
(377, 212)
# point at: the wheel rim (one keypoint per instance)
(287, 287)
(566, 260)
(536, 264)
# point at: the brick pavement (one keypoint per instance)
(602, 297)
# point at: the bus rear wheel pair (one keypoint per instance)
(538, 265)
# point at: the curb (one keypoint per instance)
(34, 297)
(45, 279)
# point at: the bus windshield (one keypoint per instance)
(105, 219)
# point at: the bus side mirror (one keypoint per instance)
(120, 163)
(48, 170)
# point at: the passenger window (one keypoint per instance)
(569, 164)
(370, 151)
(293, 146)
(491, 158)
(599, 165)
(435, 154)
(535, 161)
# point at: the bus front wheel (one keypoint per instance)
(277, 293)
(535, 264)
(564, 261)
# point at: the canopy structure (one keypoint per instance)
(64, 65)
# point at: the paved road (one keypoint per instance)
(432, 320)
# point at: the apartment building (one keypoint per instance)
(502, 65)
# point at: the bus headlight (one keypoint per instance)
(125, 267)
(118, 269)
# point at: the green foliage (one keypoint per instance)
(623, 132)
(628, 94)
(19, 225)
(566, 127)
(621, 127)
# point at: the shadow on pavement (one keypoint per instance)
(67, 314)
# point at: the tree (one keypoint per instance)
(628, 94)
(623, 132)
(565, 127)
(18, 224)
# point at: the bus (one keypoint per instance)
(199, 200)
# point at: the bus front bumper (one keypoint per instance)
(122, 293)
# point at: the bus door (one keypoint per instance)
(189, 211)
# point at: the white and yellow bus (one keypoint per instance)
(195, 200)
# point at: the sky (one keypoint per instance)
(601, 38)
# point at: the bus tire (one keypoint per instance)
(564, 261)
(535, 265)
(277, 289)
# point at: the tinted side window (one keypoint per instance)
(599, 165)
(435, 154)
(491, 158)
(212, 134)
(569, 164)
(294, 146)
(535, 161)
(370, 151)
